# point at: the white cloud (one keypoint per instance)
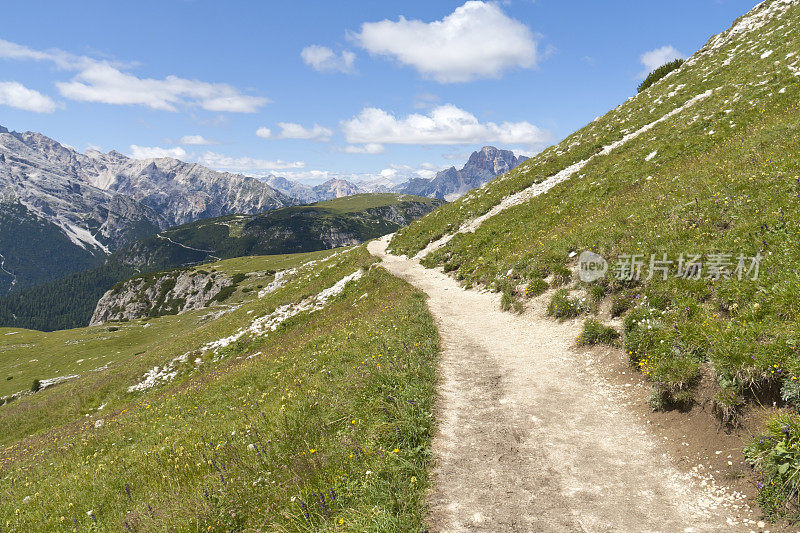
(477, 40)
(155, 152)
(106, 82)
(196, 140)
(445, 124)
(224, 162)
(368, 148)
(323, 59)
(291, 130)
(15, 94)
(655, 58)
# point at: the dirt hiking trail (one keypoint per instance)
(526, 438)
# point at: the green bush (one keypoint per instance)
(594, 332)
(659, 73)
(562, 305)
(223, 294)
(36, 386)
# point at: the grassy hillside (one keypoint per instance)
(704, 162)
(322, 423)
(70, 301)
(26, 355)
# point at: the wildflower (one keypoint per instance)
(341, 521)
(413, 479)
(395, 450)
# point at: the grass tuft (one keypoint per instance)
(595, 332)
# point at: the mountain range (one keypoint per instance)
(63, 211)
(449, 184)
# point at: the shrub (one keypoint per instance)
(594, 332)
(535, 288)
(36, 386)
(562, 305)
(659, 73)
(238, 278)
(223, 294)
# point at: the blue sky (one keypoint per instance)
(312, 90)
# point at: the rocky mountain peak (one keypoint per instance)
(482, 166)
(492, 160)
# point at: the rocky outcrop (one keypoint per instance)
(160, 293)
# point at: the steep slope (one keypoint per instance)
(33, 250)
(449, 184)
(684, 189)
(103, 202)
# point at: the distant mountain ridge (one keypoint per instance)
(85, 206)
(307, 194)
(482, 166)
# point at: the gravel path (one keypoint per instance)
(527, 441)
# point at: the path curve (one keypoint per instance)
(526, 440)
